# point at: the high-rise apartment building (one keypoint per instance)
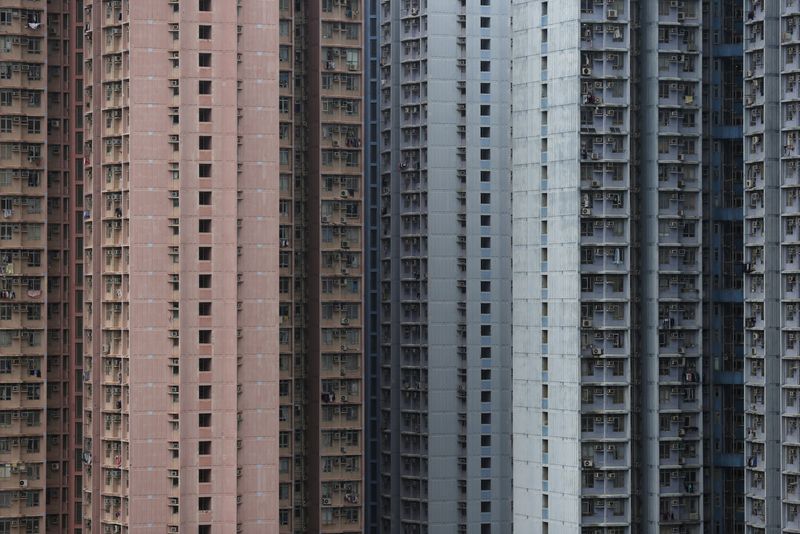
(32, 350)
(180, 310)
(627, 254)
(445, 266)
(771, 210)
(323, 268)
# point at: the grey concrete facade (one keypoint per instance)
(445, 275)
(608, 257)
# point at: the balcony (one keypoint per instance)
(604, 232)
(605, 512)
(613, 11)
(604, 483)
(603, 427)
(609, 260)
(604, 36)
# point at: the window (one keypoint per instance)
(485, 131)
(485, 22)
(485, 44)
(486, 396)
(486, 176)
(204, 281)
(204, 142)
(204, 5)
(204, 448)
(204, 365)
(204, 392)
(204, 337)
(204, 87)
(486, 66)
(486, 242)
(204, 504)
(204, 115)
(204, 59)
(204, 170)
(485, 110)
(204, 420)
(204, 254)
(204, 226)
(204, 476)
(204, 529)
(204, 309)
(486, 441)
(204, 198)
(204, 31)
(486, 220)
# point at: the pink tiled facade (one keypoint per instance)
(181, 254)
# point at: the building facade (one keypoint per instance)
(445, 267)
(771, 207)
(627, 240)
(180, 310)
(32, 423)
(323, 265)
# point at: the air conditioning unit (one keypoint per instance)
(23, 483)
(326, 501)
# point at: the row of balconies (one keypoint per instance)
(608, 12)
(609, 232)
(605, 512)
(600, 426)
(604, 37)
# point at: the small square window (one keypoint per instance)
(204, 504)
(486, 176)
(486, 88)
(204, 254)
(204, 31)
(486, 66)
(486, 307)
(485, 132)
(486, 330)
(204, 5)
(204, 309)
(204, 420)
(486, 484)
(204, 87)
(204, 476)
(486, 198)
(486, 506)
(204, 337)
(486, 286)
(204, 142)
(204, 448)
(486, 264)
(485, 44)
(486, 352)
(486, 154)
(486, 110)
(204, 198)
(486, 220)
(204, 365)
(204, 529)
(486, 242)
(485, 22)
(486, 396)
(204, 281)
(204, 170)
(486, 441)
(486, 419)
(204, 226)
(486, 463)
(486, 374)
(204, 59)
(204, 392)
(204, 115)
